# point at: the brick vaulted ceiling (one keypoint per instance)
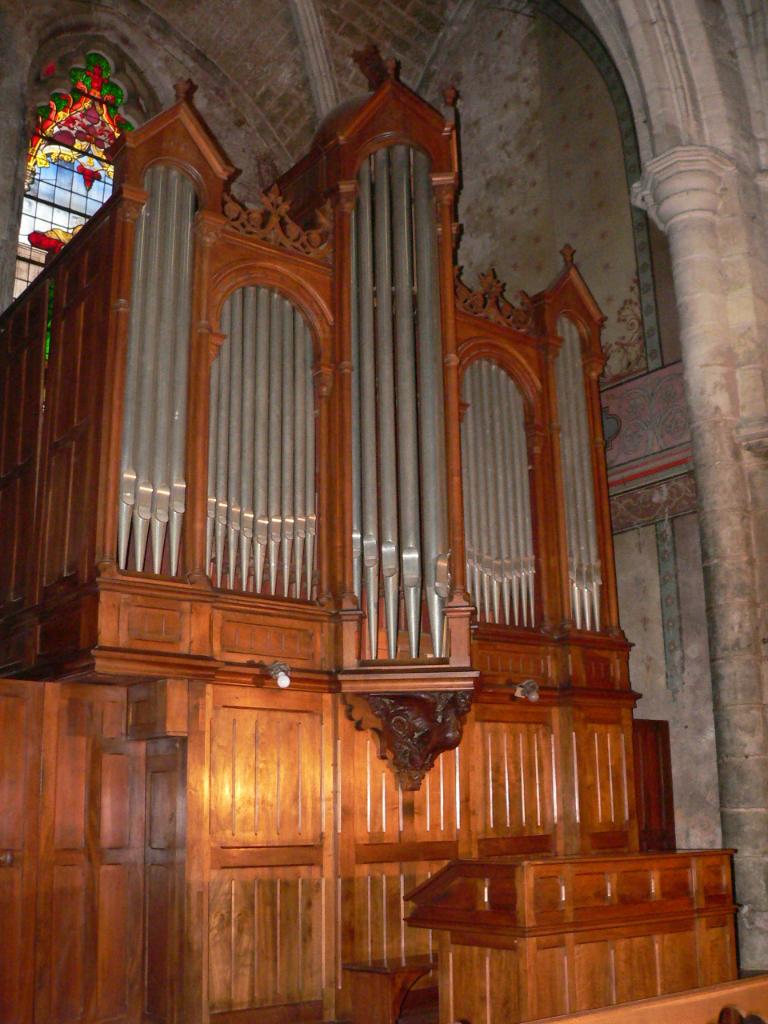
(257, 44)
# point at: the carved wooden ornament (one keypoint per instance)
(272, 223)
(488, 301)
(413, 728)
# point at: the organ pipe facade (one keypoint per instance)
(398, 452)
(152, 470)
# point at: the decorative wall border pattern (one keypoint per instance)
(671, 618)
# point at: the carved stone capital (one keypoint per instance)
(752, 435)
(686, 181)
(413, 729)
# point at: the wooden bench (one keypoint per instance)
(749, 998)
(380, 986)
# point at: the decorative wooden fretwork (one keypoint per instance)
(271, 222)
(488, 301)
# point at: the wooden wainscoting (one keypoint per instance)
(72, 840)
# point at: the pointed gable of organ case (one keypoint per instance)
(310, 543)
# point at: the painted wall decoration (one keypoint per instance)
(648, 429)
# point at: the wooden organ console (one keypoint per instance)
(251, 446)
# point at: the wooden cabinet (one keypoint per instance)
(522, 939)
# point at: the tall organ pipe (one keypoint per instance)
(357, 532)
(261, 446)
(261, 436)
(309, 465)
(497, 503)
(576, 464)
(299, 469)
(368, 439)
(274, 453)
(247, 442)
(385, 405)
(287, 449)
(434, 523)
(407, 463)
(153, 486)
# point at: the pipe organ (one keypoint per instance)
(251, 445)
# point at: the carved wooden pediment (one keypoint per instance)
(488, 301)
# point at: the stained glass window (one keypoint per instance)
(69, 176)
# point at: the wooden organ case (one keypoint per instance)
(244, 447)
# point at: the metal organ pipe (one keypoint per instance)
(434, 513)
(261, 465)
(152, 482)
(367, 412)
(397, 400)
(576, 462)
(385, 405)
(499, 533)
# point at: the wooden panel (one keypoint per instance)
(75, 389)
(653, 784)
(247, 639)
(266, 934)
(265, 776)
(602, 746)
(513, 792)
(66, 939)
(163, 894)
(593, 970)
(678, 960)
(91, 867)
(270, 894)
(485, 986)
(549, 989)
(20, 724)
(636, 968)
(22, 357)
(716, 953)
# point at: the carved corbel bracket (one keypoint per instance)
(413, 729)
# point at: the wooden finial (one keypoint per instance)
(374, 67)
(568, 252)
(450, 95)
(185, 89)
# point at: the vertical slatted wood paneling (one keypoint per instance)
(269, 902)
(605, 779)
(22, 357)
(514, 794)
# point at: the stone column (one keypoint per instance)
(682, 191)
